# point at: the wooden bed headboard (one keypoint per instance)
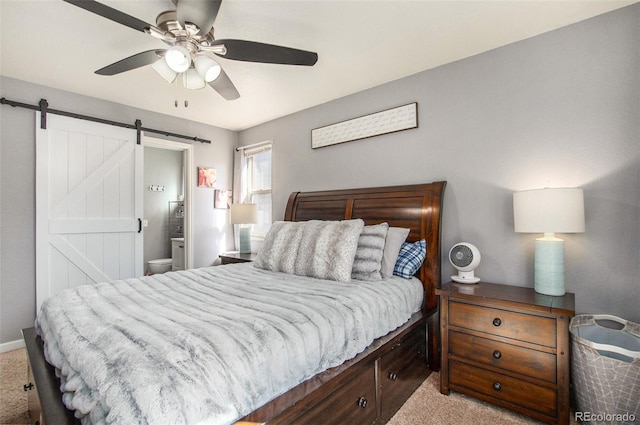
(417, 207)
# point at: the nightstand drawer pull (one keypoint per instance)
(362, 402)
(497, 354)
(393, 376)
(497, 322)
(497, 386)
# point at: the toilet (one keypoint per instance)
(160, 265)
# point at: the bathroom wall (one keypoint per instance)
(162, 167)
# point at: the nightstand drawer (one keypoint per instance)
(503, 388)
(536, 364)
(509, 324)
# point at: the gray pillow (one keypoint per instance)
(395, 238)
(328, 248)
(280, 247)
(368, 261)
(320, 249)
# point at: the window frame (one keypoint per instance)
(259, 230)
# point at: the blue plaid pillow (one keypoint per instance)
(410, 258)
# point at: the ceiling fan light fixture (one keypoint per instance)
(178, 58)
(162, 68)
(192, 79)
(207, 68)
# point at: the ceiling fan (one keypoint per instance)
(189, 32)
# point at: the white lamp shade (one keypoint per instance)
(192, 80)
(244, 213)
(547, 210)
(178, 58)
(207, 67)
(165, 72)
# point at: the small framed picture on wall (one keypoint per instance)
(222, 199)
(206, 177)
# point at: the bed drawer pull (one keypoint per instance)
(393, 376)
(497, 354)
(362, 402)
(497, 386)
(497, 322)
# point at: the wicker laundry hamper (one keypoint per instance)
(605, 369)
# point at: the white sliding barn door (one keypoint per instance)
(88, 204)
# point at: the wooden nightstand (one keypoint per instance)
(236, 257)
(507, 345)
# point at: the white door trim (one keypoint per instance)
(187, 150)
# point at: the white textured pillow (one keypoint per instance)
(368, 261)
(280, 247)
(321, 249)
(328, 248)
(395, 238)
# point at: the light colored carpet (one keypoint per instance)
(426, 406)
(13, 398)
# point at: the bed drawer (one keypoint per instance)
(502, 389)
(525, 361)
(509, 324)
(402, 370)
(351, 403)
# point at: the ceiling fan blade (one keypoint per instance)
(199, 12)
(225, 87)
(252, 51)
(132, 62)
(110, 13)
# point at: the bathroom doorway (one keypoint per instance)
(167, 222)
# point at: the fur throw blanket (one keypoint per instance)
(210, 345)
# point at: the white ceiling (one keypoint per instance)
(360, 44)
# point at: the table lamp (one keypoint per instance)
(549, 211)
(244, 214)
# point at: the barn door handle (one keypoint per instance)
(139, 225)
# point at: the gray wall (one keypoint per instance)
(162, 167)
(559, 110)
(17, 187)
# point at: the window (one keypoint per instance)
(256, 184)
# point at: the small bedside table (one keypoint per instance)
(236, 257)
(507, 345)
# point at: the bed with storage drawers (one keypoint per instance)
(320, 338)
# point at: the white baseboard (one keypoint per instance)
(11, 345)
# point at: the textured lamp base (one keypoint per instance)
(549, 266)
(245, 240)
